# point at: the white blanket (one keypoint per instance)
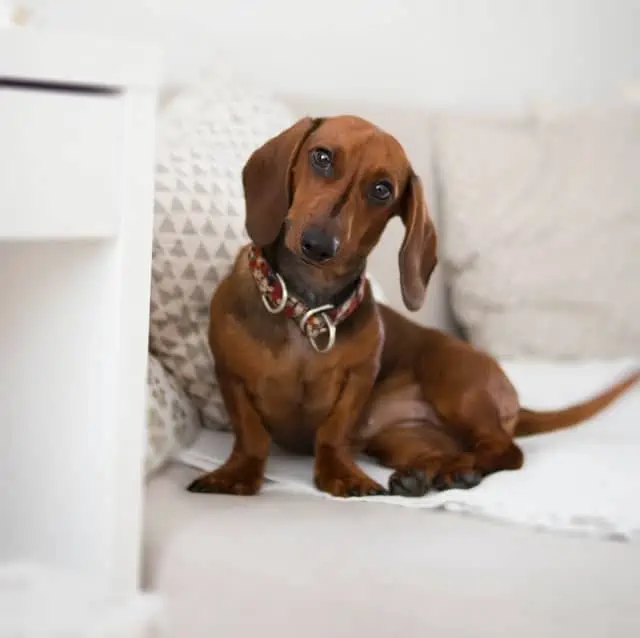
(583, 480)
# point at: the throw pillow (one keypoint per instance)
(172, 420)
(541, 231)
(205, 135)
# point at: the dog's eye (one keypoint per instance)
(322, 160)
(381, 191)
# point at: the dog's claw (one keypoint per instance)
(467, 480)
(440, 483)
(346, 482)
(199, 486)
(373, 491)
(209, 484)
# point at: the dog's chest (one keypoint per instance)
(297, 392)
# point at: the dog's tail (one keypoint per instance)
(534, 422)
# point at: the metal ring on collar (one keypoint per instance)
(274, 310)
(331, 327)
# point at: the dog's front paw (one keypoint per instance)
(346, 481)
(238, 481)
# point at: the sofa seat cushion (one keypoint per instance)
(296, 566)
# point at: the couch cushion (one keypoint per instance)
(313, 567)
(541, 228)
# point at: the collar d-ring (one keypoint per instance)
(331, 328)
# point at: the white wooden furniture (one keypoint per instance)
(76, 194)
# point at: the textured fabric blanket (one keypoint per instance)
(584, 480)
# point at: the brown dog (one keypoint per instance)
(306, 358)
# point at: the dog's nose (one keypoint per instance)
(317, 245)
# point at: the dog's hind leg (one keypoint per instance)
(424, 457)
(485, 425)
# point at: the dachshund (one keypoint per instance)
(307, 359)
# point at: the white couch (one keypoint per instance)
(290, 566)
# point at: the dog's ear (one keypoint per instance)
(418, 253)
(266, 181)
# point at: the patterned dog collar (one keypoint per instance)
(313, 322)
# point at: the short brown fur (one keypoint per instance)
(429, 406)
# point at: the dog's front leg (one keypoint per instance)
(243, 472)
(335, 470)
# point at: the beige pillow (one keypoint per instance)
(541, 230)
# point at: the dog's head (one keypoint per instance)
(325, 190)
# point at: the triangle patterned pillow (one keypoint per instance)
(172, 420)
(205, 135)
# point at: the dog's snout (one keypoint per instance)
(317, 245)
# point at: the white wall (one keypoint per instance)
(443, 52)
(467, 53)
